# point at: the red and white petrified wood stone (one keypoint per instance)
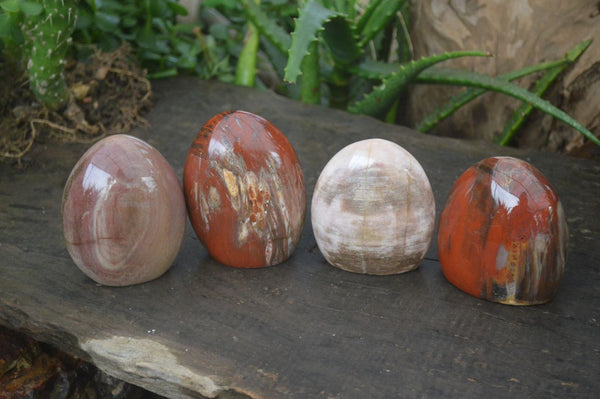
(373, 209)
(244, 190)
(503, 234)
(123, 212)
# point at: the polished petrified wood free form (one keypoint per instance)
(123, 212)
(244, 190)
(303, 329)
(503, 233)
(373, 209)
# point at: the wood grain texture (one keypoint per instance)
(123, 212)
(303, 329)
(373, 210)
(502, 235)
(244, 191)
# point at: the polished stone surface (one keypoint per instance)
(503, 235)
(373, 209)
(123, 212)
(302, 329)
(244, 190)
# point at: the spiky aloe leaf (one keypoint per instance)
(405, 50)
(341, 39)
(266, 26)
(338, 34)
(48, 36)
(382, 97)
(370, 69)
(471, 93)
(310, 83)
(378, 19)
(310, 22)
(366, 15)
(521, 113)
(465, 78)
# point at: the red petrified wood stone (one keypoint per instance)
(502, 234)
(244, 191)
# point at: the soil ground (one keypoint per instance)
(110, 94)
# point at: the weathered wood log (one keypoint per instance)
(303, 328)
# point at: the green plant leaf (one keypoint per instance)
(311, 21)
(520, 114)
(471, 93)
(10, 31)
(379, 18)
(5, 26)
(465, 78)
(31, 8)
(10, 6)
(107, 22)
(366, 15)
(382, 97)
(245, 72)
(230, 4)
(275, 57)
(45, 65)
(177, 8)
(405, 50)
(371, 69)
(341, 40)
(167, 73)
(310, 82)
(267, 27)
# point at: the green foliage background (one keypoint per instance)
(346, 54)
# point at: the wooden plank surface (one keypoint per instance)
(302, 329)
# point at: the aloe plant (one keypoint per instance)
(463, 98)
(552, 70)
(331, 43)
(479, 83)
(382, 97)
(520, 114)
(345, 37)
(463, 78)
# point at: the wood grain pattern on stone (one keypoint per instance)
(373, 210)
(301, 329)
(503, 234)
(123, 212)
(244, 190)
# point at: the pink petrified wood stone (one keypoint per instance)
(244, 190)
(373, 209)
(123, 212)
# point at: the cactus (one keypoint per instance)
(47, 39)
